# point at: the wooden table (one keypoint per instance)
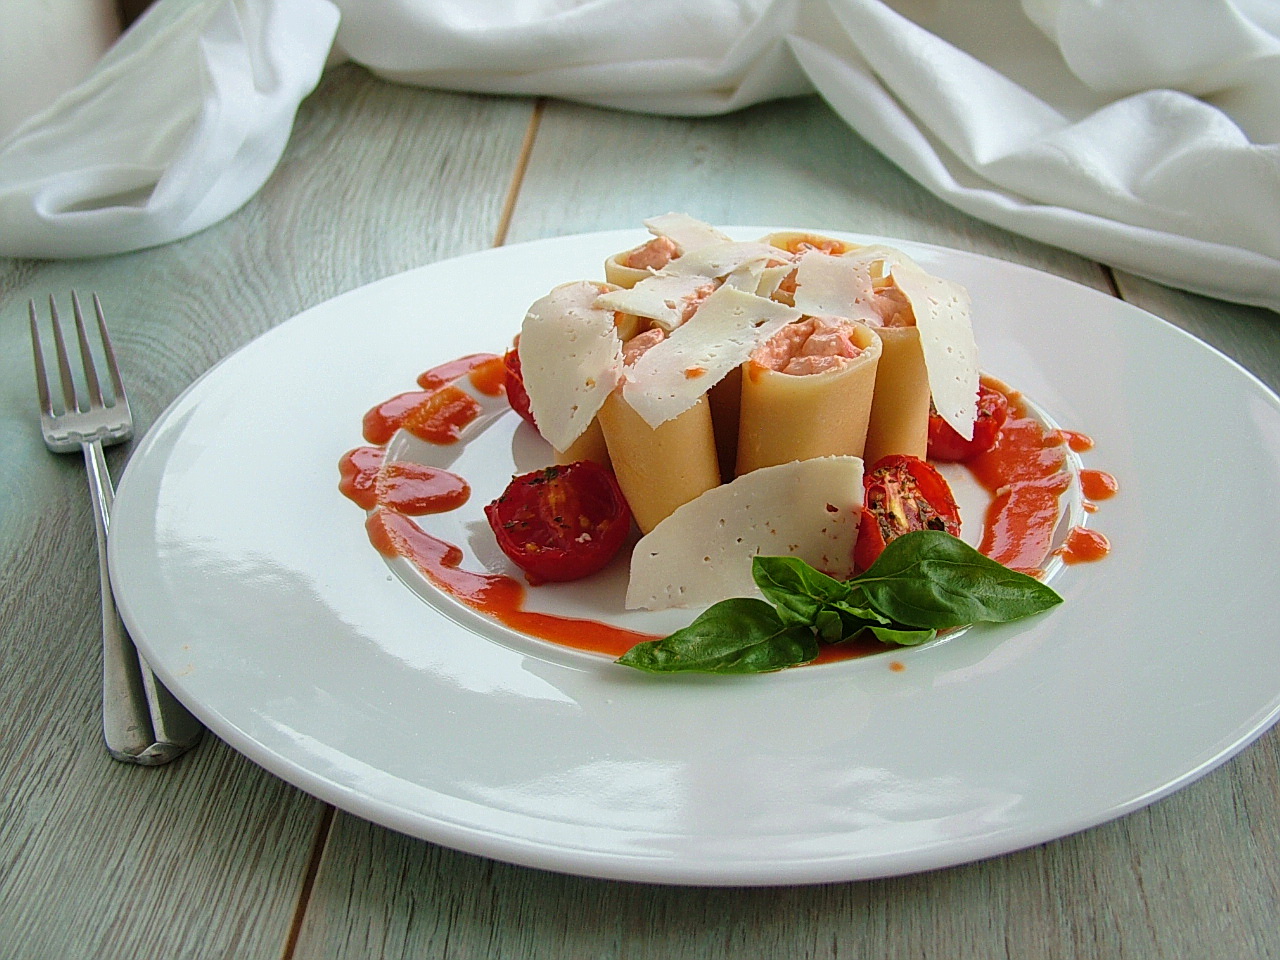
(214, 857)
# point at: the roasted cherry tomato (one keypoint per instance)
(901, 494)
(947, 446)
(561, 523)
(516, 394)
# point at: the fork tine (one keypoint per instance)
(42, 381)
(112, 368)
(64, 365)
(86, 357)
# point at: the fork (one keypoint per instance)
(142, 722)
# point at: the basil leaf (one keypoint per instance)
(798, 590)
(829, 625)
(863, 614)
(740, 635)
(928, 578)
(903, 638)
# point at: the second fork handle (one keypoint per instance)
(142, 723)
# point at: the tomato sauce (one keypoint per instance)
(437, 416)
(1077, 441)
(1084, 546)
(493, 594)
(849, 649)
(484, 369)
(413, 489)
(1025, 474)
(1098, 485)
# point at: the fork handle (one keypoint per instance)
(142, 722)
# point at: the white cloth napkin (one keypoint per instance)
(1142, 133)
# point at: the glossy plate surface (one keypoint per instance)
(250, 585)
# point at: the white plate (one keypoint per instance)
(248, 581)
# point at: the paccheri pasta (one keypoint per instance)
(703, 360)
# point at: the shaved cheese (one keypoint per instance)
(723, 333)
(663, 296)
(771, 278)
(702, 552)
(828, 286)
(842, 287)
(747, 277)
(660, 298)
(719, 259)
(689, 234)
(571, 359)
(946, 337)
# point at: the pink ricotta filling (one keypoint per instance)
(654, 255)
(811, 345)
(637, 346)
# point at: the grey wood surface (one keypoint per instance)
(214, 857)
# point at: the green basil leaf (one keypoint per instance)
(740, 635)
(863, 614)
(903, 638)
(829, 625)
(931, 579)
(798, 590)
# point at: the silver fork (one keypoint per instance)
(141, 721)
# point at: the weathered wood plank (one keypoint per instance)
(205, 858)
(1118, 890)
(792, 163)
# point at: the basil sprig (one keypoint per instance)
(923, 582)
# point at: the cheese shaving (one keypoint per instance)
(946, 337)
(660, 298)
(571, 359)
(842, 286)
(719, 259)
(689, 234)
(702, 552)
(828, 286)
(721, 335)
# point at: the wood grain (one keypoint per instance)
(206, 857)
(788, 163)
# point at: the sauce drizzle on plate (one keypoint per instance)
(1025, 473)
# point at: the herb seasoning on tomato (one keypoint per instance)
(561, 523)
(902, 494)
(947, 446)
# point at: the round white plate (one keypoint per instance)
(250, 585)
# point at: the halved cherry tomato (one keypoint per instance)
(901, 494)
(561, 523)
(517, 396)
(947, 446)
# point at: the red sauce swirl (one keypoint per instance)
(1084, 546)
(1025, 474)
(493, 594)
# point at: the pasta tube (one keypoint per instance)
(629, 267)
(726, 407)
(796, 242)
(900, 411)
(660, 468)
(590, 445)
(808, 393)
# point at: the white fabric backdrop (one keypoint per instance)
(1142, 133)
